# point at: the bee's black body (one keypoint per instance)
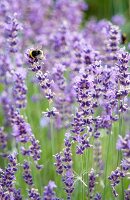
(35, 53)
(123, 38)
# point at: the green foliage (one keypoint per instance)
(107, 8)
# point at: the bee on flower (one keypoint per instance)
(35, 55)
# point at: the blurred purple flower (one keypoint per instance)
(118, 20)
(127, 193)
(11, 31)
(123, 144)
(19, 91)
(98, 197)
(49, 193)
(3, 138)
(98, 157)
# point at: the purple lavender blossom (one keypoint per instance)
(27, 173)
(21, 129)
(85, 73)
(124, 145)
(125, 163)
(59, 164)
(5, 195)
(83, 117)
(4, 68)
(3, 138)
(51, 113)
(17, 194)
(49, 193)
(68, 176)
(115, 179)
(113, 41)
(98, 157)
(33, 194)
(68, 180)
(35, 149)
(11, 30)
(127, 193)
(43, 78)
(118, 20)
(97, 197)
(64, 166)
(8, 176)
(92, 183)
(58, 77)
(19, 91)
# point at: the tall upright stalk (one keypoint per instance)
(106, 167)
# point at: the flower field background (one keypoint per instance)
(64, 100)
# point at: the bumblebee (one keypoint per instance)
(123, 38)
(36, 54)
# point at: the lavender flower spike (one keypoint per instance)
(8, 176)
(49, 194)
(127, 193)
(3, 138)
(19, 91)
(115, 179)
(92, 182)
(33, 194)
(11, 31)
(27, 173)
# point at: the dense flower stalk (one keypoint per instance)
(98, 157)
(35, 149)
(59, 163)
(42, 78)
(7, 180)
(115, 179)
(11, 31)
(49, 193)
(85, 82)
(92, 182)
(21, 129)
(33, 194)
(97, 197)
(27, 174)
(123, 145)
(127, 193)
(113, 42)
(83, 120)
(64, 166)
(3, 138)
(19, 91)
(17, 194)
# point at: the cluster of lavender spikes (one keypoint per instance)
(84, 75)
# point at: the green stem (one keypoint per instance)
(52, 143)
(105, 176)
(120, 153)
(87, 169)
(82, 176)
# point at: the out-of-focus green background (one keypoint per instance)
(107, 8)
